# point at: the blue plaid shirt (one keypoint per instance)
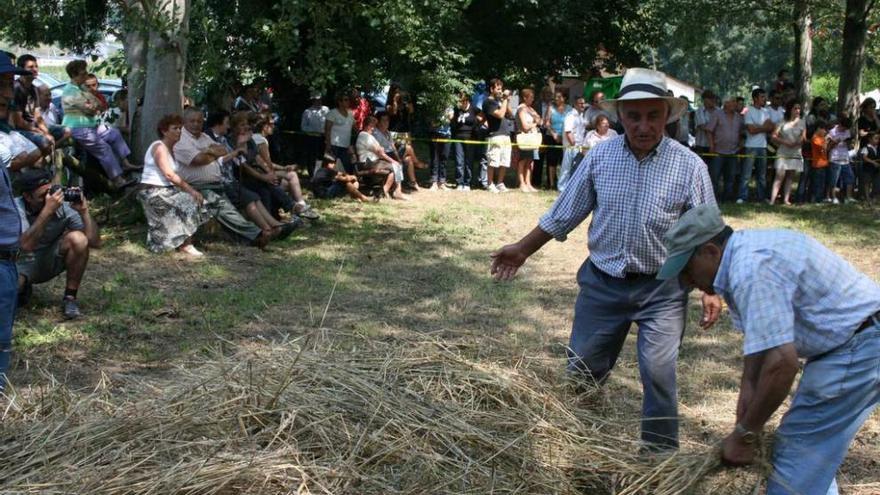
(633, 202)
(782, 286)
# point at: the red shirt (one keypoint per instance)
(361, 109)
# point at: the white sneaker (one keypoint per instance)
(835, 201)
(850, 200)
(826, 200)
(501, 188)
(434, 187)
(740, 201)
(492, 189)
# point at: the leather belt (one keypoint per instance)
(869, 322)
(9, 255)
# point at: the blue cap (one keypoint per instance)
(6, 67)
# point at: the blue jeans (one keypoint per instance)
(836, 394)
(756, 158)
(565, 170)
(605, 309)
(8, 301)
(723, 166)
(834, 169)
(464, 160)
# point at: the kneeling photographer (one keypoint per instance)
(57, 233)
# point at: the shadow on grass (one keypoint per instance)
(396, 279)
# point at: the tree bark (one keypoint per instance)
(166, 63)
(135, 46)
(803, 46)
(855, 29)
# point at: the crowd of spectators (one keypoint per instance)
(222, 163)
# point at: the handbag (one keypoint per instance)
(528, 141)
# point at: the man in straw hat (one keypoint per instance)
(636, 186)
(792, 298)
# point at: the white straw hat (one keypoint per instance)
(645, 84)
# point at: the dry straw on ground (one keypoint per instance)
(381, 417)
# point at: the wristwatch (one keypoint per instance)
(748, 437)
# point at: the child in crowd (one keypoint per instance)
(329, 183)
(870, 183)
(839, 142)
(819, 164)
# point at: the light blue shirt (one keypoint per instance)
(785, 287)
(633, 202)
(10, 226)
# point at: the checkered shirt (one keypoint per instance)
(633, 202)
(782, 286)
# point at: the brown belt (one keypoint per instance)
(869, 322)
(9, 255)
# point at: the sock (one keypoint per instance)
(71, 293)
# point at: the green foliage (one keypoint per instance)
(825, 85)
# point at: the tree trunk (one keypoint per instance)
(135, 45)
(166, 63)
(855, 29)
(803, 46)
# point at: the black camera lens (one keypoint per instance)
(72, 194)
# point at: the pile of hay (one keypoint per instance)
(417, 417)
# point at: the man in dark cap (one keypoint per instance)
(56, 236)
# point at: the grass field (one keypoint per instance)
(398, 272)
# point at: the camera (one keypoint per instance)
(71, 194)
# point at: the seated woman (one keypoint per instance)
(329, 183)
(172, 207)
(401, 151)
(601, 131)
(263, 127)
(374, 158)
(243, 198)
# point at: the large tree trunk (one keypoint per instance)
(803, 46)
(855, 30)
(135, 45)
(166, 63)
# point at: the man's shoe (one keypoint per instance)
(492, 188)
(70, 308)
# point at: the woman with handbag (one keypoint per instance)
(528, 139)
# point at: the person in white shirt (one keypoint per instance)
(758, 126)
(312, 123)
(338, 126)
(574, 132)
(377, 162)
(602, 131)
(776, 108)
(704, 137)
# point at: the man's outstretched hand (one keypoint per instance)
(507, 260)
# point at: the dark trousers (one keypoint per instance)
(464, 162)
(313, 151)
(869, 183)
(439, 154)
(605, 310)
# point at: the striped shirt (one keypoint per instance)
(633, 202)
(782, 286)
